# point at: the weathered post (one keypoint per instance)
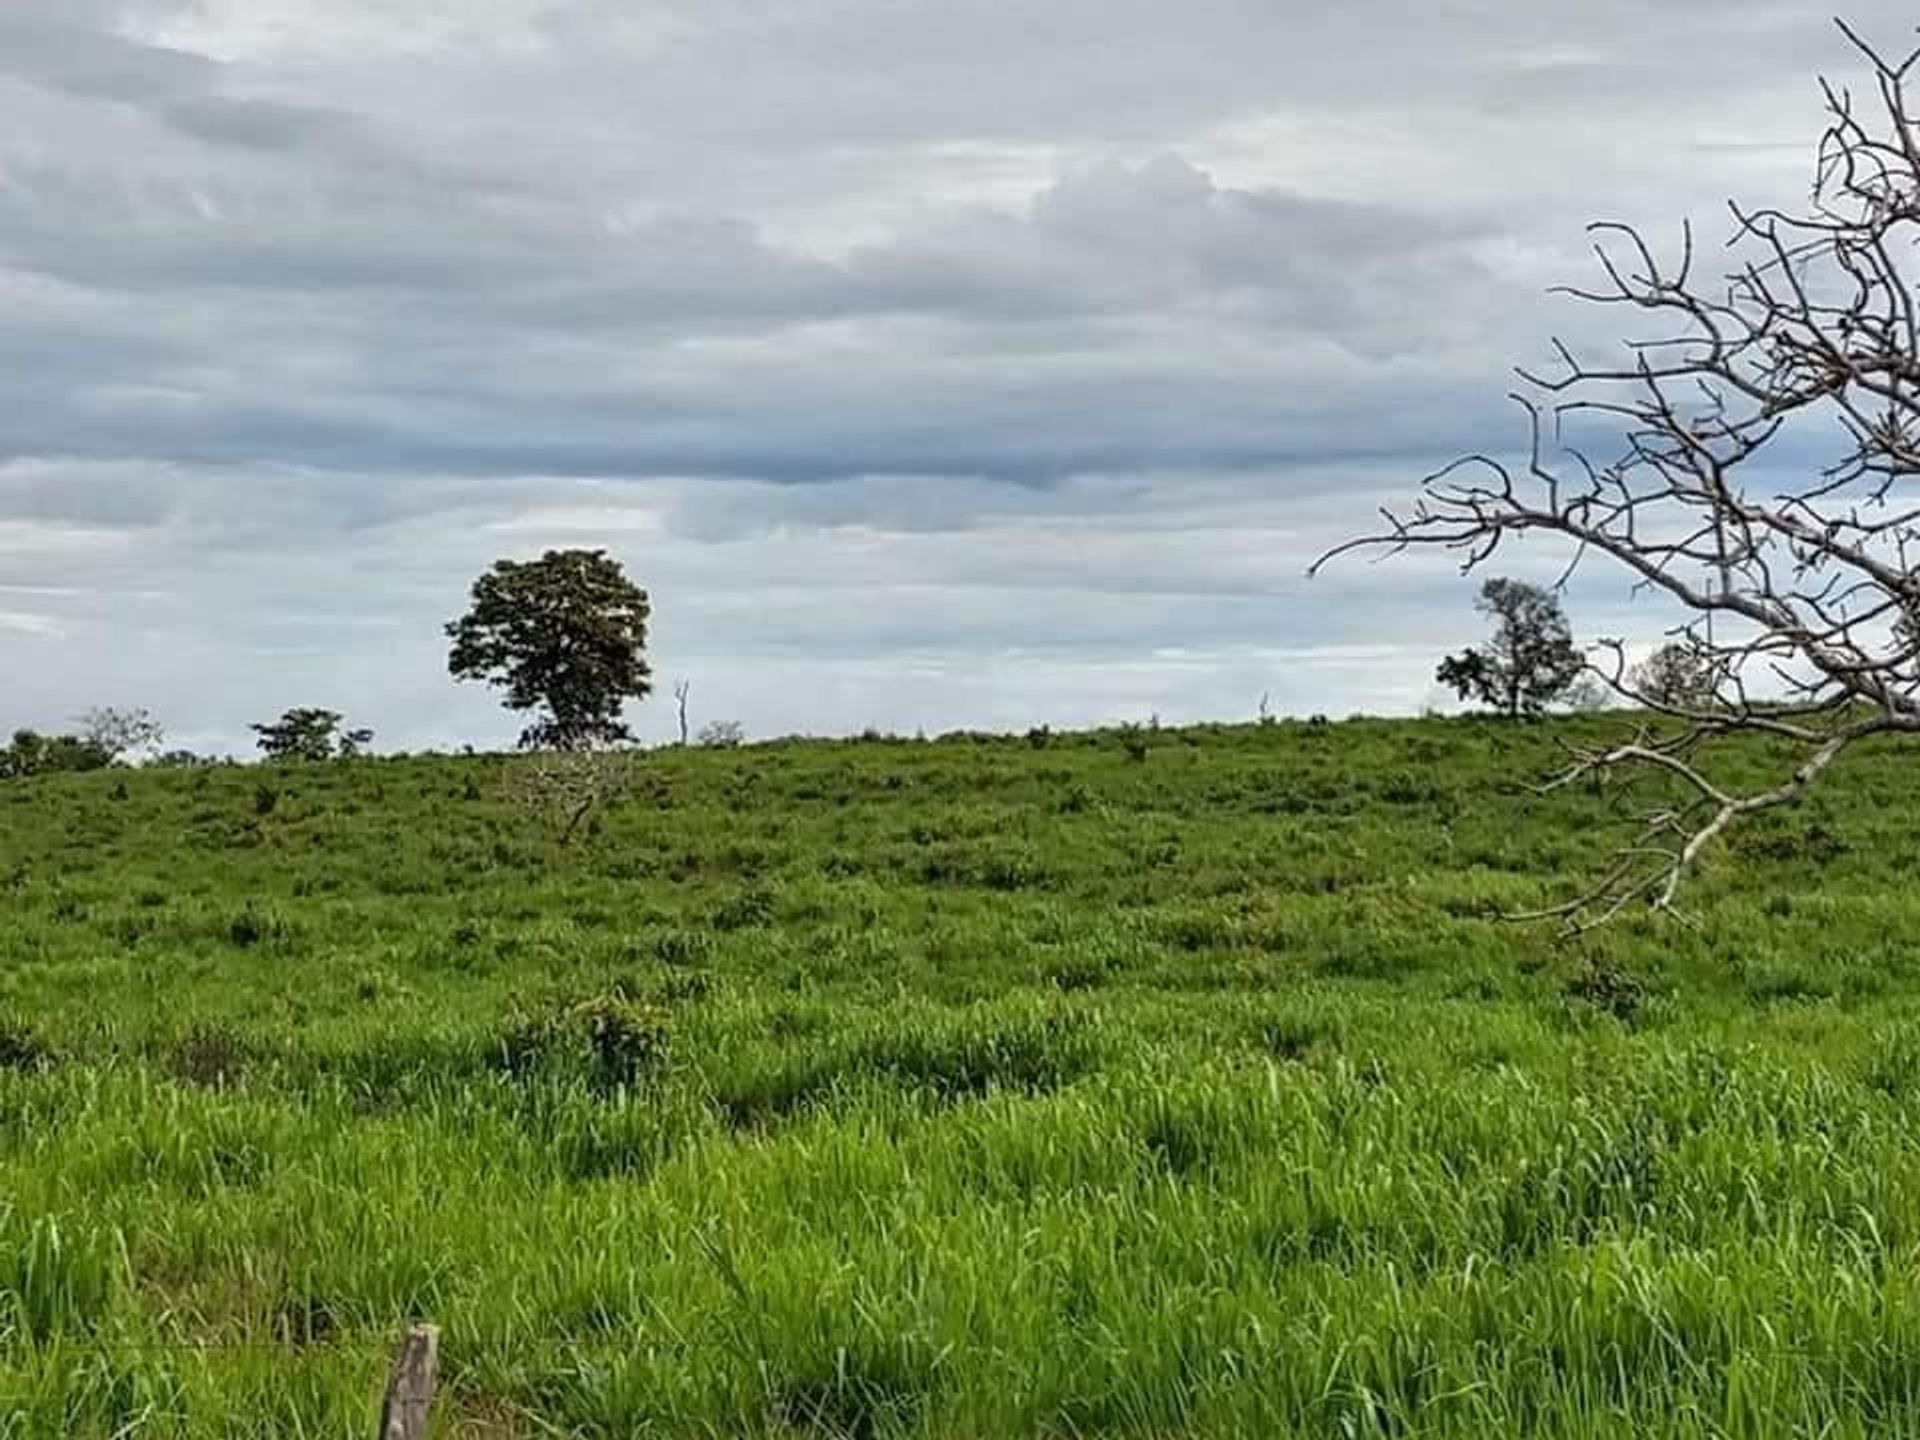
(410, 1390)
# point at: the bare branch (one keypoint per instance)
(1804, 598)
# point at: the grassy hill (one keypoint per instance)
(958, 1089)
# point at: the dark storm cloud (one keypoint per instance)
(1003, 363)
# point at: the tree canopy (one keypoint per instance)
(564, 637)
(309, 732)
(1529, 662)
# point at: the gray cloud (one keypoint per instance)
(934, 365)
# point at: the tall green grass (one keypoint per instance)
(969, 1088)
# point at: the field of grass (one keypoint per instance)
(955, 1089)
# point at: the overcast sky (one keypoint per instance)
(934, 363)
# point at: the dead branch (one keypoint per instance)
(1800, 580)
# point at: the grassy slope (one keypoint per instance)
(954, 1089)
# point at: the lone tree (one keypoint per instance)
(121, 734)
(564, 636)
(1677, 676)
(310, 733)
(1796, 584)
(1530, 662)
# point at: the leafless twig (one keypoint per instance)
(1800, 583)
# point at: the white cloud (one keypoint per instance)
(934, 365)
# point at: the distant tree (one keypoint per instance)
(1680, 675)
(311, 733)
(180, 760)
(1530, 661)
(32, 753)
(1587, 695)
(121, 734)
(565, 637)
(722, 734)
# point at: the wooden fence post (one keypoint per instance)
(410, 1390)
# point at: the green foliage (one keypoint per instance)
(311, 733)
(32, 753)
(965, 1087)
(564, 636)
(1530, 661)
(610, 1040)
(21, 1048)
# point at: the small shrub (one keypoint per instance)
(685, 988)
(255, 926)
(1403, 787)
(840, 865)
(609, 1041)
(21, 1048)
(265, 799)
(213, 1055)
(1608, 986)
(1039, 737)
(683, 947)
(1076, 800)
(752, 906)
(1013, 870)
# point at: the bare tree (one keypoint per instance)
(1795, 585)
(566, 787)
(722, 734)
(682, 689)
(120, 734)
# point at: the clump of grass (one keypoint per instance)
(752, 906)
(257, 925)
(58, 1277)
(21, 1046)
(1031, 1051)
(610, 1041)
(210, 1054)
(1602, 982)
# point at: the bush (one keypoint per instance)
(1608, 986)
(608, 1041)
(253, 926)
(32, 753)
(213, 1055)
(753, 906)
(20, 1047)
(683, 947)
